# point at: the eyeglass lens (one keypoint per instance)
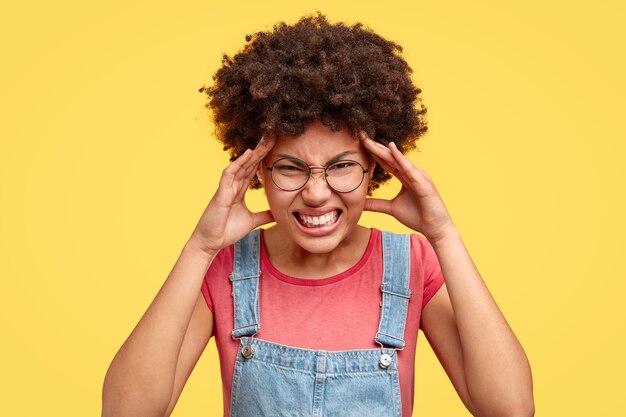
(292, 174)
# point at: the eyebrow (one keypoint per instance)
(332, 160)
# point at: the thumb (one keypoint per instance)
(261, 218)
(377, 204)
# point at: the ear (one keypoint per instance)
(371, 168)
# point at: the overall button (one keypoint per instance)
(385, 360)
(246, 351)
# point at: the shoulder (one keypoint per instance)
(426, 275)
(216, 283)
(420, 246)
(224, 259)
(221, 265)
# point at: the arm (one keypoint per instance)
(473, 341)
(144, 378)
(140, 379)
(196, 339)
(469, 334)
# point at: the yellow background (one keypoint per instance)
(107, 161)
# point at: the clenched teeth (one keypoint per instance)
(318, 221)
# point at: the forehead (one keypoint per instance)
(319, 144)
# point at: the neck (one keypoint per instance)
(291, 259)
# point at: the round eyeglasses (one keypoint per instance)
(291, 174)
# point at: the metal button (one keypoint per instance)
(246, 351)
(385, 360)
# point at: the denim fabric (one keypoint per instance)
(395, 288)
(274, 380)
(245, 280)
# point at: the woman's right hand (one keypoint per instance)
(226, 219)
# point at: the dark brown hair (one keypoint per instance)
(289, 77)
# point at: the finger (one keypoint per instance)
(263, 147)
(386, 166)
(369, 143)
(261, 218)
(380, 153)
(396, 163)
(424, 173)
(250, 170)
(243, 181)
(237, 164)
(250, 165)
(266, 141)
(413, 174)
(389, 164)
(240, 181)
(241, 190)
(230, 173)
(251, 157)
(245, 177)
(378, 205)
(232, 182)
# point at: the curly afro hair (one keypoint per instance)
(294, 75)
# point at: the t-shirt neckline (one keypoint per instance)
(315, 282)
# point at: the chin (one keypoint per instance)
(322, 244)
(320, 239)
(319, 245)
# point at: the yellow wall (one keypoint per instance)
(107, 161)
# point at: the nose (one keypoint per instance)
(320, 173)
(316, 191)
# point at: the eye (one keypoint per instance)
(343, 168)
(343, 165)
(286, 167)
(289, 167)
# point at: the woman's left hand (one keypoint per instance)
(418, 205)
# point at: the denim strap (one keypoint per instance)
(245, 281)
(395, 289)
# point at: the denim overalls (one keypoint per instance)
(274, 380)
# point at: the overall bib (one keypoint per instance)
(274, 380)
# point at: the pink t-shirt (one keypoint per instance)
(340, 312)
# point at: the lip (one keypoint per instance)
(317, 231)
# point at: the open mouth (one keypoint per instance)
(327, 219)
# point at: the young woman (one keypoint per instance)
(318, 315)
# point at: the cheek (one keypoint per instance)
(278, 201)
(356, 203)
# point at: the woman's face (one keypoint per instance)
(316, 217)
